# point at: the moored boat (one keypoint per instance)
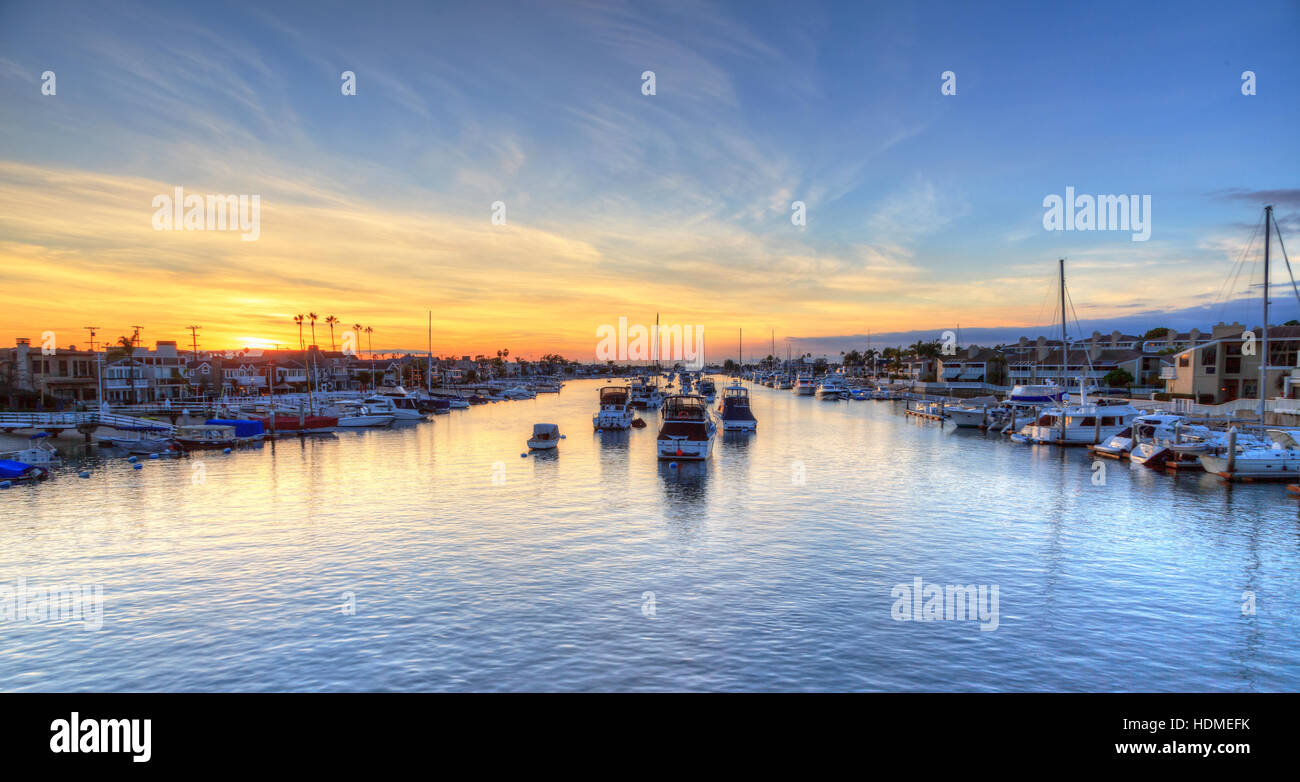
(687, 431)
(545, 437)
(614, 412)
(734, 412)
(205, 437)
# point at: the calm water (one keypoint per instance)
(474, 569)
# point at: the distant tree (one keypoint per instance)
(1292, 322)
(1119, 378)
(1156, 333)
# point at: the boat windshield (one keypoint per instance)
(685, 408)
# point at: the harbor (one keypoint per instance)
(771, 561)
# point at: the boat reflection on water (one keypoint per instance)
(613, 439)
(684, 481)
(737, 439)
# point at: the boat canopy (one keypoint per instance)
(545, 430)
(613, 395)
(242, 428)
(686, 407)
(12, 469)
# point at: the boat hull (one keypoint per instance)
(612, 420)
(1267, 467)
(685, 450)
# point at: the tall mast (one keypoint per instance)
(1263, 359)
(742, 349)
(428, 374)
(1065, 351)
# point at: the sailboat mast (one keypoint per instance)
(428, 375)
(1060, 379)
(1263, 359)
(742, 350)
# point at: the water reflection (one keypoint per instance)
(445, 533)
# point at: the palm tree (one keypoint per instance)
(312, 316)
(331, 320)
(124, 348)
(371, 346)
(299, 319)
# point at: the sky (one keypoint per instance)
(924, 211)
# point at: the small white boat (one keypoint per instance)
(545, 437)
(804, 385)
(972, 412)
(832, 389)
(356, 414)
(401, 408)
(1279, 459)
(40, 454)
(518, 393)
(734, 413)
(614, 413)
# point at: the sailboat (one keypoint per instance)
(1280, 458)
(1080, 424)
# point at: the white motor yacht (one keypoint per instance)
(1280, 458)
(687, 432)
(615, 412)
(402, 408)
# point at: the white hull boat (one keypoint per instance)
(687, 432)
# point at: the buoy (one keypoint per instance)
(83, 474)
(523, 456)
(5, 484)
(137, 466)
(132, 459)
(153, 456)
(226, 451)
(672, 465)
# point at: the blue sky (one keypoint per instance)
(924, 210)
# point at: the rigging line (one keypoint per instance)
(1233, 277)
(1285, 258)
(1087, 354)
(1229, 284)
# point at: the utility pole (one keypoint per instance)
(99, 372)
(135, 343)
(194, 342)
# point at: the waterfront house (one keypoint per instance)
(1226, 368)
(67, 375)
